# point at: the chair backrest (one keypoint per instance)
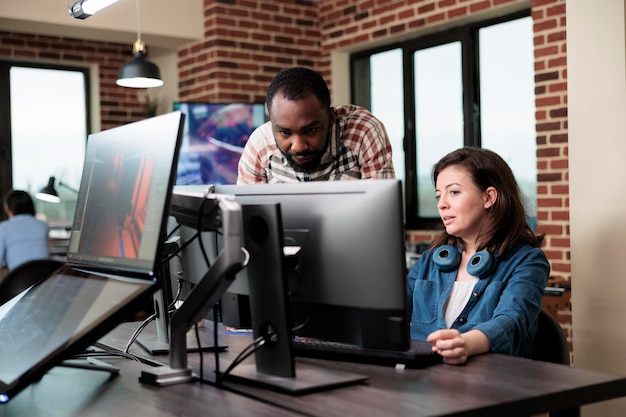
(551, 346)
(25, 275)
(550, 342)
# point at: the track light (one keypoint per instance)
(82, 9)
(138, 72)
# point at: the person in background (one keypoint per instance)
(22, 237)
(308, 140)
(479, 286)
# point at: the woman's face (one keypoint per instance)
(462, 205)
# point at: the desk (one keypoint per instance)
(69, 392)
(488, 385)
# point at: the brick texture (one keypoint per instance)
(118, 105)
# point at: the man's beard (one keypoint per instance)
(310, 166)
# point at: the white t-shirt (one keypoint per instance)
(461, 292)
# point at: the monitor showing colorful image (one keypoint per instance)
(213, 139)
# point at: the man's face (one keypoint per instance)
(300, 129)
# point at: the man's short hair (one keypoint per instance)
(297, 83)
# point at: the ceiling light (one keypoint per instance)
(139, 72)
(82, 9)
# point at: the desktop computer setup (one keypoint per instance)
(329, 256)
(326, 267)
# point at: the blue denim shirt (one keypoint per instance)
(504, 305)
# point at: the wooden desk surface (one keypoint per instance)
(69, 392)
(488, 385)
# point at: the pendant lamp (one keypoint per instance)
(139, 72)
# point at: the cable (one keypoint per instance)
(199, 224)
(195, 326)
(215, 344)
(172, 307)
(180, 249)
(139, 330)
(243, 355)
(171, 233)
(106, 353)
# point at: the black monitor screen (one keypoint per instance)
(344, 242)
(124, 193)
(213, 140)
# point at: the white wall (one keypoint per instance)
(597, 156)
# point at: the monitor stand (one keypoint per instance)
(156, 341)
(91, 364)
(275, 367)
(225, 216)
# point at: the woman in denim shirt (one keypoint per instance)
(479, 287)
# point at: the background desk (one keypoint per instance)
(488, 385)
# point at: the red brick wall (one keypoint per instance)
(118, 105)
(246, 43)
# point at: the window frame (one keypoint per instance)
(6, 163)
(468, 36)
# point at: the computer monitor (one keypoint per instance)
(345, 259)
(213, 140)
(262, 230)
(114, 253)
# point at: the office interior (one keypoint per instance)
(580, 83)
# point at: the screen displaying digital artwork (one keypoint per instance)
(213, 140)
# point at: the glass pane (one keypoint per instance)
(388, 101)
(48, 131)
(508, 102)
(438, 114)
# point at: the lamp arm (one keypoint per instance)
(62, 184)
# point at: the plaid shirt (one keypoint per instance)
(359, 148)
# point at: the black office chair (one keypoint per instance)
(25, 275)
(551, 346)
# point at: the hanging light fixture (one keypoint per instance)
(138, 72)
(82, 9)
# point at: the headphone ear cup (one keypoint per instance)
(480, 263)
(446, 257)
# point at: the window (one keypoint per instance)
(46, 135)
(471, 86)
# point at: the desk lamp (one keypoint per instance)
(50, 194)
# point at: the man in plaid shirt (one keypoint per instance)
(308, 140)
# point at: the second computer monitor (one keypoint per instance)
(344, 247)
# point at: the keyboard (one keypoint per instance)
(419, 354)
